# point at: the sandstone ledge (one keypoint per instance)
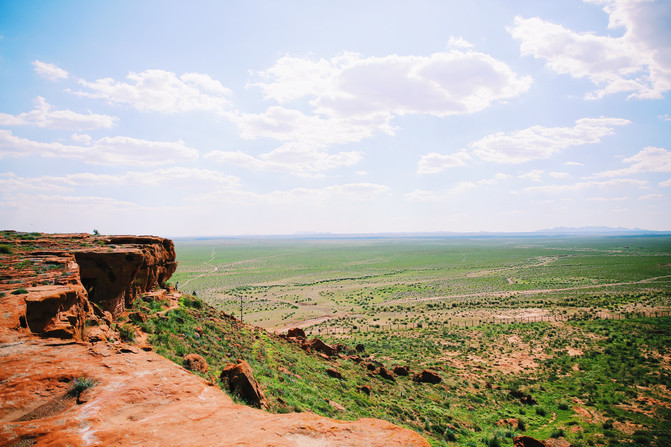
(142, 398)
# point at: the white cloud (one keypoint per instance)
(459, 42)
(534, 176)
(294, 158)
(651, 197)
(49, 71)
(353, 97)
(650, 159)
(665, 183)
(280, 123)
(44, 116)
(499, 177)
(560, 175)
(573, 163)
(161, 91)
(105, 151)
(433, 162)
(608, 199)
(539, 142)
(352, 192)
(442, 84)
(175, 177)
(81, 138)
(638, 62)
(607, 184)
(419, 195)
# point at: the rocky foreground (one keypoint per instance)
(59, 298)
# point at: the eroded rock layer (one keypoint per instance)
(61, 280)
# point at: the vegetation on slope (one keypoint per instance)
(593, 382)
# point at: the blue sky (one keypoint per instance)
(269, 117)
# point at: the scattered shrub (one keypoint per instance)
(19, 291)
(81, 384)
(6, 249)
(127, 332)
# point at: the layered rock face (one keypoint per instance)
(126, 266)
(59, 295)
(58, 283)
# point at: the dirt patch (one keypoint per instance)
(573, 352)
(591, 417)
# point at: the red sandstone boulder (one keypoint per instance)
(296, 332)
(524, 398)
(527, 441)
(336, 406)
(241, 381)
(195, 362)
(365, 389)
(333, 373)
(385, 373)
(427, 376)
(57, 311)
(317, 345)
(401, 370)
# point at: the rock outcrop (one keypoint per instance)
(528, 441)
(401, 370)
(195, 362)
(427, 376)
(70, 279)
(57, 292)
(240, 380)
(296, 332)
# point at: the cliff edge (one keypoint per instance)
(66, 379)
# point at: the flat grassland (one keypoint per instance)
(575, 376)
(397, 282)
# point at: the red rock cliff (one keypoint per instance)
(71, 278)
(69, 287)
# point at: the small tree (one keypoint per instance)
(96, 232)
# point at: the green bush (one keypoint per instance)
(127, 332)
(81, 384)
(19, 291)
(6, 249)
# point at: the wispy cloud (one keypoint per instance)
(175, 177)
(105, 151)
(606, 184)
(420, 195)
(49, 71)
(292, 158)
(650, 159)
(533, 143)
(350, 193)
(540, 142)
(433, 162)
(161, 91)
(43, 115)
(638, 62)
